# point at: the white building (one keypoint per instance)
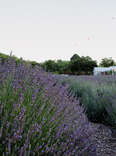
(100, 70)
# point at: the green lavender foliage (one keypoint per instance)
(98, 99)
(11, 116)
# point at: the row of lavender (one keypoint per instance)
(38, 117)
(98, 96)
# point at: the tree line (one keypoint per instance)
(77, 65)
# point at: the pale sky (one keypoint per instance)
(56, 29)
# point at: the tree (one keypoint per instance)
(82, 64)
(75, 57)
(107, 62)
(62, 66)
(50, 65)
(88, 64)
(75, 63)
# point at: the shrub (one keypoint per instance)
(37, 115)
(98, 100)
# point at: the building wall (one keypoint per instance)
(102, 70)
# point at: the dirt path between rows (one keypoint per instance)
(105, 140)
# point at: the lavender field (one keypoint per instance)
(39, 116)
(97, 94)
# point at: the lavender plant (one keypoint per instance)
(97, 94)
(38, 117)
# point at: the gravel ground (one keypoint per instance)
(105, 140)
